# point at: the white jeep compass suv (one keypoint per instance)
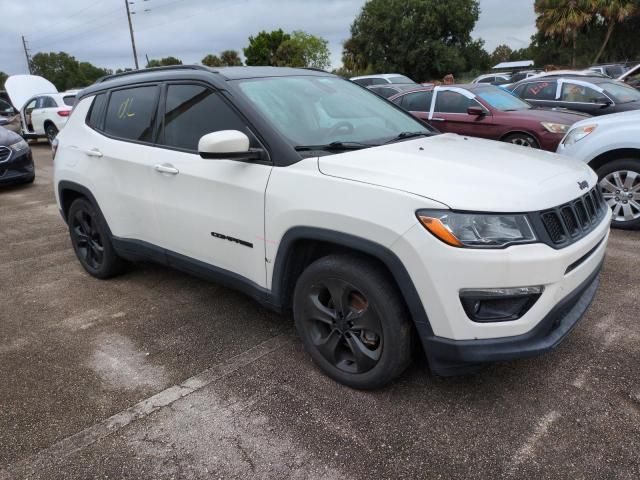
(314, 195)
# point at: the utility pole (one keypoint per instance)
(26, 53)
(133, 42)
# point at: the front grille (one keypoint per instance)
(5, 153)
(567, 223)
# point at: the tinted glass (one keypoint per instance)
(486, 80)
(417, 101)
(69, 100)
(32, 104)
(131, 113)
(313, 110)
(540, 91)
(48, 102)
(193, 111)
(378, 81)
(5, 107)
(365, 82)
(384, 92)
(580, 94)
(96, 113)
(453, 102)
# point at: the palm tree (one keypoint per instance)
(564, 18)
(613, 12)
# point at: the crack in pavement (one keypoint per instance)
(144, 408)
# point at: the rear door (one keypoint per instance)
(45, 108)
(539, 94)
(583, 97)
(121, 159)
(208, 210)
(416, 103)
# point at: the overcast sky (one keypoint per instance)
(97, 31)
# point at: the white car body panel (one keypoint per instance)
(371, 194)
(613, 132)
(495, 177)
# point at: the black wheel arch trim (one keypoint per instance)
(380, 252)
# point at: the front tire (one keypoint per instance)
(522, 139)
(352, 321)
(619, 182)
(91, 242)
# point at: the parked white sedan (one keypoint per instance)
(610, 144)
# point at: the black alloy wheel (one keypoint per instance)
(91, 242)
(353, 321)
(342, 326)
(51, 131)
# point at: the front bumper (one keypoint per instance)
(18, 168)
(453, 357)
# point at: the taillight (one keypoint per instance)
(64, 113)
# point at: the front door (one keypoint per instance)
(450, 113)
(208, 210)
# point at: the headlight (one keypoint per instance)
(477, 230)
(578, 134)
(555, 127)
(20, 146)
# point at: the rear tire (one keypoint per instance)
(353, 321)
(90, 239)
(619, 182)
(51, 131)
(522, 139)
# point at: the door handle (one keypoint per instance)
(437, 119)
(167, 168)
(94, 152)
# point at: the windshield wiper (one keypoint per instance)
(405, 135)
(335, 146)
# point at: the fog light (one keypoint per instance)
(498, 304)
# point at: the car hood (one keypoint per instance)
(466, 173)
(7, 137)
(566, 117)
(631, 117)
(21, 88)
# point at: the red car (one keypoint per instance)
(486, 111)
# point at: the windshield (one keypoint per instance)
(501, 100)
(400, 79)
(622, 93)
(310, 110)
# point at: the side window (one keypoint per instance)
(572, 92)
(417, 101)
(452, 102)
(540, 91)
(486, 80)
(32, 104)
(69, 100)
(131, 113)
(48, 102)
(365, 82)
(519, 91)
(96, 112)
(39, 102)
(378, 81)
(384, 92)
(192, 111)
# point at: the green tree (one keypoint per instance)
(612, 13)
(60, 68)
(502, 53)
(166, 61)
(3, 78)
(477, 58)
(212, 61)
(263, 47)
(303, 50)
(90, 73)
(420, 38)
(230, 58)
(564, 19)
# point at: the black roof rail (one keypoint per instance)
(154, 69)
(315, 69)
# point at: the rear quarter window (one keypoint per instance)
(131, 113)
(96, 112)
(69, 100)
